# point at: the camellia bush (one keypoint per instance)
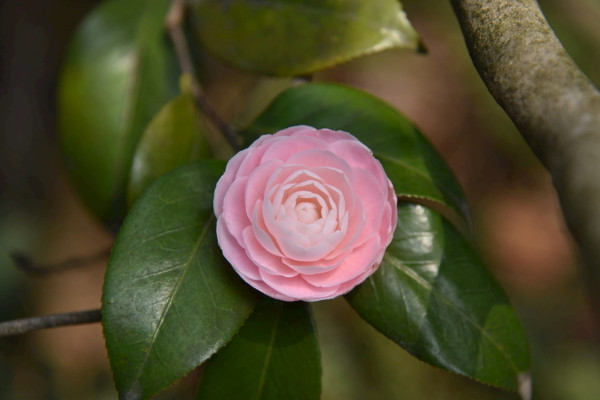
(329, 192)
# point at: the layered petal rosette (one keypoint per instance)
(305, 214)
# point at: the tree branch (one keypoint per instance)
(552, 103)
(24, 263)
(19, 326)
(174, 22)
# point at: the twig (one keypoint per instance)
(174, 23)
(24, 263)
(19, 326)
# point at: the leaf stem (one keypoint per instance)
(174, 22)
(24, 325)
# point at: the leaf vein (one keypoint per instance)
(426, 285)
(263, 374)
(186, 266)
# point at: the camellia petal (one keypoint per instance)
(298, 288)
(327, 135)
(256, 184)
(264, 259)
(253, 158)
(284, 149)
(261, 232)
(360, 158)
(266, 289)
(372, 193)
(235, 254)
(352, 266)
(235, 217)
(322, 158)
(314, 267)
(226, 180)
(305, 213)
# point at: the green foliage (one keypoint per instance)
(118, 73)
(291, 37)
(409, 160)
(170, 299)
(175, 136)
(465, 324)
(274, 356)
(434, 297)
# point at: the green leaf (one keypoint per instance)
(433, 296)
(274, 356)
(118, 73)
(175, 136)
(417, 171)
(295, 37)
(170, 299)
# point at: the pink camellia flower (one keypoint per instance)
(305, 214)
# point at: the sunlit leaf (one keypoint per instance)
(274, 356)
(170, 299)
(118, 73)
(294, 37)
(175, 136)
(433, 296)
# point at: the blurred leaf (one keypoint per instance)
(170, 299)
(412, 164)
(274, 356)
(259, 95)
(433, 296)
(118, 73)
(294, 37)
(175, 136)
(576, 25)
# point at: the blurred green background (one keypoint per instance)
(516, 216)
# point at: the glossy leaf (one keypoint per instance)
(170, 299)
(274, 356)
(175, 136)
(118, 73)
(412, 164)
(294, 37)
(433, 296)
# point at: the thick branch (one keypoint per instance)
(19, 326)
(552, 103)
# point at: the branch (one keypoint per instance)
(19, 326)
(174, 22)
(552, 103)
(24, 263)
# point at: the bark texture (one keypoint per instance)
(553, 104)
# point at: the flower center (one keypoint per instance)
(307, 212)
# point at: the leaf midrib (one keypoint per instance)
(184, 270)
(263, 375)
